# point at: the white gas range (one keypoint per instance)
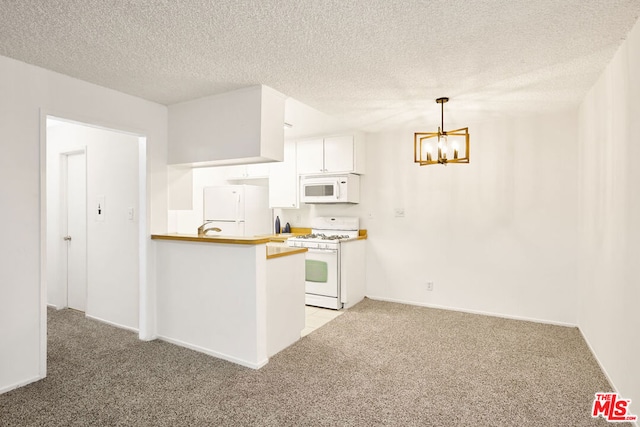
(334, 263)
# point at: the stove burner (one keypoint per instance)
(322, 236)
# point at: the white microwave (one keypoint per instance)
(343, 188)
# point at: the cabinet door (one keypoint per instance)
(283, 180)
(244, 172)
(338, 154)
(257, 170)
(310, 156)
(234, 172)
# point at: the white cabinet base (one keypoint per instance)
(321, 301)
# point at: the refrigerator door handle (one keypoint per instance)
(237, 208)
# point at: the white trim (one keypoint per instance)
(20, 384)
(602, 368)
(55, 306)
(144, 323)
(42, 370)
(142, 224)
(108, 322)
(82, 120)
(483, 313)
(215, 353)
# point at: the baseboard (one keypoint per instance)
(483, 313)
(20, 384)
(54, 306)
(214, 353)
(108, 322)
(606, 374)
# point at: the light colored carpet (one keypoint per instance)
(379, 364)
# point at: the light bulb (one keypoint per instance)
(442, 146)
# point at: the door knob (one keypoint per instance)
(67, 238)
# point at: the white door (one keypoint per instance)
(76, 231)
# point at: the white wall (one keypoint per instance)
(609, 124)
(207, 290)
(112, 244)
(497, 235)
(27, 93)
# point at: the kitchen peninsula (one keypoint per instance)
(236, 298)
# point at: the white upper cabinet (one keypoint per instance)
(250, 171)
(339, 154)
(310, 156)
(283, 180)
(243, 126)
(333, 154)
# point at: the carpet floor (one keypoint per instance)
(379, 364)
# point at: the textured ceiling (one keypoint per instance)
(376, 64)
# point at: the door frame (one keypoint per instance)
(64, 202)
(146, 328)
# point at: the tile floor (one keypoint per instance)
(316, 317)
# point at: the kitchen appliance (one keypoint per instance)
(325, 261)
(344, 188)
(238, 210)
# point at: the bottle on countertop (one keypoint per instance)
(277, 225)
(287, 228)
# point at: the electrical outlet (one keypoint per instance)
(429, 286)
(298, 219)
(399, 212)
(370, 215)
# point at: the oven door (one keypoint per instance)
(321, 273)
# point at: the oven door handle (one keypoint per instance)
(322, 251)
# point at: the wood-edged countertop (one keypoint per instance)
(280, 250)
(273, 250)
(235, 240)
(240, 240)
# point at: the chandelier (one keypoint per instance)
(442, 147)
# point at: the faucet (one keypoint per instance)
(203, 231)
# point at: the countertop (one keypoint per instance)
(275, 250)
(275, 242)
(239, 240)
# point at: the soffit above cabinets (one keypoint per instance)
(238, 127)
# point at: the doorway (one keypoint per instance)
(74, 177)
(96, 224)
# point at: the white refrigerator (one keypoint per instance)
(238, 210)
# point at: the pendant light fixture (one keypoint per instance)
(442, 147)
